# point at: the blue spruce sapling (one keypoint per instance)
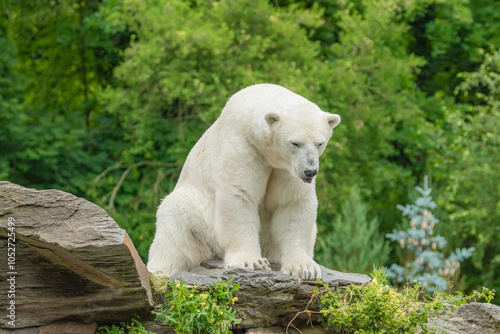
(429, 266)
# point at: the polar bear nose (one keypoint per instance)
(310, 172)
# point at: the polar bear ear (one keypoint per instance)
(333, 120)
(272, 118)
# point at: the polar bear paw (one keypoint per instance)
(247, 262)
(306, 269)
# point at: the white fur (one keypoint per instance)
(243, 194)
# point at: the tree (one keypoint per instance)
(61, 55)
(352, 242)
(426, 263)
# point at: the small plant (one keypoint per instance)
(427, 263)
(134, 327)
(377, 308)
(352, 241)
(189, 310)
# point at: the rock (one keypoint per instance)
(265, 297)
(473, 318)
(29, 330)
(156, 328)
(68, 328)
(56, 328)
(282, 330)
(72, 261)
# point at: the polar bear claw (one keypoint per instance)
(249, 263)
(308, 270)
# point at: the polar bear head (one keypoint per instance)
(299, 136)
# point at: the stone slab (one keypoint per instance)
(72, 261)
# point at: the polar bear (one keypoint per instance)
(246, 192)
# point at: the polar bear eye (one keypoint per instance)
(295, 144)
(320, 144)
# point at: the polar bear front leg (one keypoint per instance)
(294, 229)
(237, 228)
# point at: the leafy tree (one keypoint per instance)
(466, 162)
(59, 60)
(11, 125)
(384, 134)
(450, 36)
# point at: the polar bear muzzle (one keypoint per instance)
(309, 175)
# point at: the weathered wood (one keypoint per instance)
(72, 261)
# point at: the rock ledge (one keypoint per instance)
(72, 261)
(265, 297)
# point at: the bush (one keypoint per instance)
(134, 327)
(377, 308)
(189, 310)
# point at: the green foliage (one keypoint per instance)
(189, 310)
(134, 327)
(11, 125)
(58, 126)
(377, 308)
(383, 134)
(465, 163)
(482, 87)
(450, 35)
(426, 262)
(342, 245)
(179, 72)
